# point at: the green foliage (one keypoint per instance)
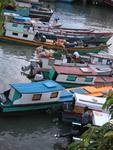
(95, 138)
(109, 100)
(4, 3)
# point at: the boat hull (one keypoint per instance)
(81, 50)
(22, 108)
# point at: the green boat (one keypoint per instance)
(73, 76)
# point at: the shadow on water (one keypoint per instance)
(33, 132)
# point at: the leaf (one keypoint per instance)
(109, 134)
(108, 103)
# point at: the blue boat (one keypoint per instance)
(33, 96)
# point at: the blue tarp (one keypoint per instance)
(37, 87)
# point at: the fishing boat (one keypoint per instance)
(23, 33)
(48, 58)
(29, 39)
(33, 96)
(56, 57)
(32, 9)
(81, 101)
(55, 29)
(19, 30)
(41, 12)
(74, 76)
(89, 36)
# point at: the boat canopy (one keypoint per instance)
(37, 87)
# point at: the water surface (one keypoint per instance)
(36, 132)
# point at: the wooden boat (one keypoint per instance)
(71, 32)
(71, 38)
(35, 10)
(33, 96)
(73, 76)
(56, 57)
(52, 32)
(49, 58)
(81, 101)
(24, 24)
(51, 44)
(16, 32)
(43, 13)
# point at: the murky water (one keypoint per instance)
(36, 132)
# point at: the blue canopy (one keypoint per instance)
(37, 87)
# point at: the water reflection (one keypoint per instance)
(82, 16)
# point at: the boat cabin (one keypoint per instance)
(36, 92)
(20, 28)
